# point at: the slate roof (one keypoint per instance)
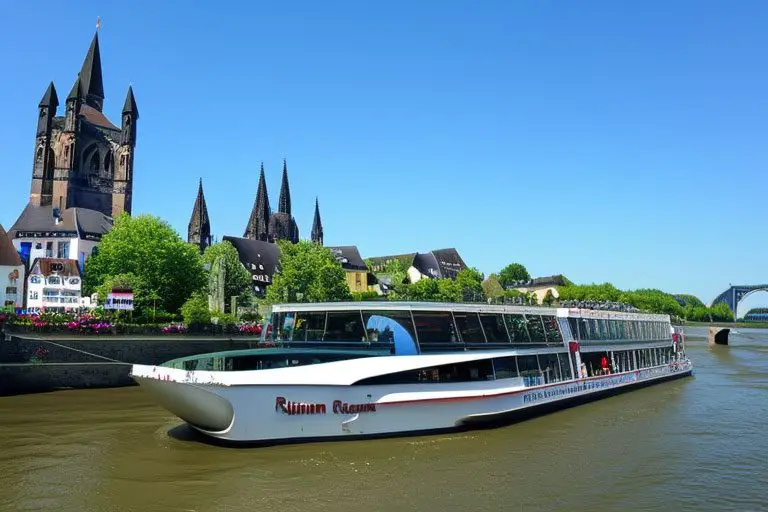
(440, 263)
(349, 257)
(8, 254)
(449, 261)
(260, 258)
(80, 222)
(97, 118)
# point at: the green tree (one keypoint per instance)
(470, 284)
(513, 272)
(150, 250)
(492, 287)
(237, 280)
(308, 273)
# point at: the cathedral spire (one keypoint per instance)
(258, 223)
(199, 229)
(317, 226)
(50, 99)
(285, 192)
(91, 82)
(130, 104)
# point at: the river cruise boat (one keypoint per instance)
(363, 369)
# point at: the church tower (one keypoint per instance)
(42, 169)
(82, 160)
(317, 226)
(258, 223)
(282, 226)
(122, 187)
(199, 228)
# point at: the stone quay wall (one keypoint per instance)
(39, 363)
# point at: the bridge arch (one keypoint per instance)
(735, 294)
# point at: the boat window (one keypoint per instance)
(506, 367)
(309, 326)
(552, 330)
(529, 370)
(527, 364)
(469, 327)
(565, 367)
(344, 326)
(517, 330)
(535, 328)
(282, 323)
(576, 330)
(470, 371)
(435, 327)
(550, 368)
(591, 329)
(393, 327)
(493, 326)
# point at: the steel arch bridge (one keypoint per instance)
(733, 295)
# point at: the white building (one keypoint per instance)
(47, 232)
(54, 284)
(11, 274)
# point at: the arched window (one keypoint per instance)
(108, 162)
(94, 164)
(39, 156)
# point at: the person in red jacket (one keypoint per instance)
(604, 365)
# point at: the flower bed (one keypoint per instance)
(94, 324)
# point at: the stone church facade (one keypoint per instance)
(81, 159)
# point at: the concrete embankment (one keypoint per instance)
(39, 363)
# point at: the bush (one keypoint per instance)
(195, 311)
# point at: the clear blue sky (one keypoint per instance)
(598, 139)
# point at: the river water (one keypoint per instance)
(694, 444)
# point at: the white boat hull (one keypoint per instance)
(285, 412)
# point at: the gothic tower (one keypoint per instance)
(81, 159)
(258, 223)
(199, 228)
(317, 226)
(282, 226)
(42, 169)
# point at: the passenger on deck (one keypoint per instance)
(604, 365)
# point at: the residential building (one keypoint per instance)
(355, 270)
(54, 284)
(11, 274)
(47, 232)
(437, 264)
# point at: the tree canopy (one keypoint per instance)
(147, 251)
(237, 280)
(308, 273)
(649, 300)
(513, 272)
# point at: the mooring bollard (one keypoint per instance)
(718, 336)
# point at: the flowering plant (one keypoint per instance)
(174, 329)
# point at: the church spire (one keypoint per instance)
(317, 226)
(285, 192)
(199, 229)
(257, 228)
(50, 99)
(91, 82)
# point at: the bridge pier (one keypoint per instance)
(718, 336)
